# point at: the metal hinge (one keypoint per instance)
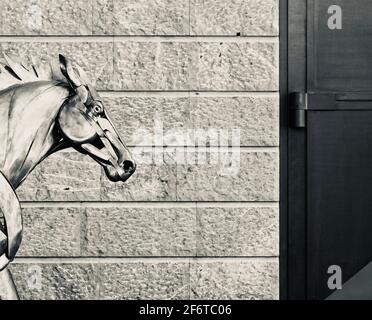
(302, 102)
(297, 109)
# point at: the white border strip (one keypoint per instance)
(193, 148)
(224, 39)
(189, 94)
(122, 260)
(149, 204)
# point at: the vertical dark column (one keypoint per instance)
(296, 241)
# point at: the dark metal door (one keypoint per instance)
(329, 148)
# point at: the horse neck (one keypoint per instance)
(31, 133)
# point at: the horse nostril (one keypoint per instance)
(129, 166)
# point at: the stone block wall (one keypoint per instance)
(177, 229)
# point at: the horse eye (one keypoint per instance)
(97, 109)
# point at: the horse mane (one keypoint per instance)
(13, 73)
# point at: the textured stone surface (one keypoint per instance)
(150, 231)
(240, 66)
(138, 119)
(45, 17)
(145, 280)
(70, 176)
(163, 174)
(149, 279)
(138, 65)
(226, 66)
(95, 57)
(222, 178)
(246, 279)
(153, 65)
(256, 117)
(140, 231)
(238, 231)
(51, 281)
(234, 17)
(91, 243)
(64, 176)
(50, 232)
(154, 179)
(141, 17)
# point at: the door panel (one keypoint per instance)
(330, 158)
(339, 166)
(340, 60)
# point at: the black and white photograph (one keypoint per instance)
(208, 152)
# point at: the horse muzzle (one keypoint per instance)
(113, 155)
(120, 173)
(122, 165)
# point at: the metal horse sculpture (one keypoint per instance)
(43, 110)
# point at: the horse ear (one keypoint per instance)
(73, 77)
(69, 72)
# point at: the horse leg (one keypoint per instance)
(8, 290)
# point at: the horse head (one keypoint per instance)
(84, 123)
(47, 109)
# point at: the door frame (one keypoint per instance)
(283, 134)
(293, 224)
